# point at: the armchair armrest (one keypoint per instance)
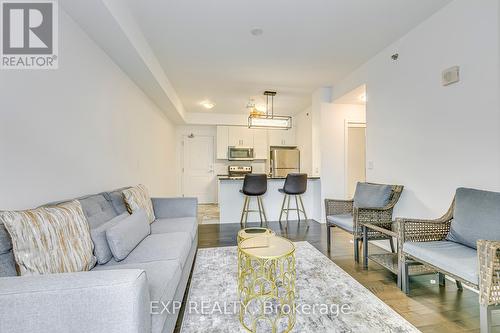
(337, 207)
(106, 301)
(175, 207)
(421, 230)
(415, 230)
(488, 253)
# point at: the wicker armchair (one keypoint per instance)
(380, 216)
(488, 255)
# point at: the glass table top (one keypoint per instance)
(267, 247)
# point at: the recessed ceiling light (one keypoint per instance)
(207, 104)
(257, 31)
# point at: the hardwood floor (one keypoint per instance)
(430, 308)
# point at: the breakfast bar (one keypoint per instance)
(231, 200)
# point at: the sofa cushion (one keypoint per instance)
(101, 247)
(97, 209)
(7, 264)
(169, 246)
(183, 224)
(476, 216)
(125, 235)
(372, 195)
(344, 221)
(53, 239)
(116, 199)
(451, 257)
(163, 278)
(5, 241)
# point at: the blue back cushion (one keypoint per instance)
(372, 195)
(476, 216)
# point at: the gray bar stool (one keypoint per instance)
(254, 185)
(295, 185)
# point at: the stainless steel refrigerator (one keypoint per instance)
(284, 161)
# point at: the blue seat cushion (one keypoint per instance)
(344, 221)
(372, 195)
(451, 257)
(476, 216)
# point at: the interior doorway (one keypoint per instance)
(198, 174)
(355, 156)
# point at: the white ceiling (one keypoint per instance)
(206, 49)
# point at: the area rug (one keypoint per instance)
(320, 284)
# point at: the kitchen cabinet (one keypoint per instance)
(259, 139)
(282, 137)
(240, 136)
(222, 142)
(260, 144)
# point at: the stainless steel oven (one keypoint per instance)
(240, 153)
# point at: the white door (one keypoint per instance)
(198, 178)
(355, 156)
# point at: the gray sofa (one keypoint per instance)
(125, 296)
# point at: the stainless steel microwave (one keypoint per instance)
(240, 153)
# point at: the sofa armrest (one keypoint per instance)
(104, 301)
(337, 207)
(488, 253)
(175, 207)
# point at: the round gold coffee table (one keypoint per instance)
(254, 232)
(266, 284)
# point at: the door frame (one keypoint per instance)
(183, 142)
(350, 124)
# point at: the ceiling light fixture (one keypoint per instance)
(207, 104)
(258, 119)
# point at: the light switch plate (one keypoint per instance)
(370, 165)
(450, 75)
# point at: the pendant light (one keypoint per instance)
(268, 119)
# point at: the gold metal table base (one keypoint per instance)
(266, 284)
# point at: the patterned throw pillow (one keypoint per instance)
(137, 198)
(51, 239)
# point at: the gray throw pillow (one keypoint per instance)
(126, 235)
(101, 248)
(372, 195)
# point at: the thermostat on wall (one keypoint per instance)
(450, 76)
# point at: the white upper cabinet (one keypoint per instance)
(282, 137)
(222, 142)
(259, 139)
(240, 136)
(260, 144)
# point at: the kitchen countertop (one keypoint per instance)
(226, 177)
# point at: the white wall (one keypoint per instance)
(431, 138)
(333, 120)
(81, 129)
(303, 132)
